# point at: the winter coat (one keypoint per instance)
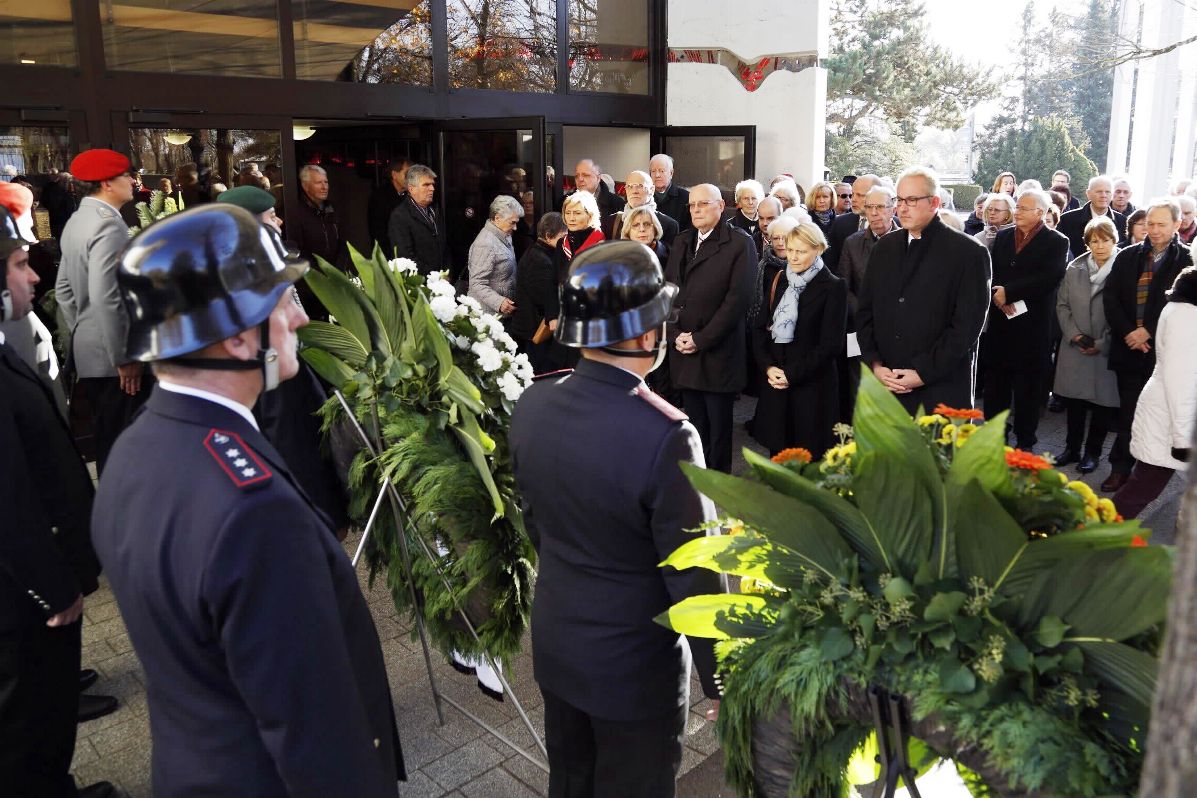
(1072, 224)
(1164, 415)
(1120, 293)
(492, 267)
(1024, 343)
(1081, 311)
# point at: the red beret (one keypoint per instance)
(16, 198)
(96, 165)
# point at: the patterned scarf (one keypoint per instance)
(785, 318)
(1143, 287)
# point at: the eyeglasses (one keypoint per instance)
(1035, 209)
(845, 196)
(702, 204)
(636, 185)
(910, 202)
(877, 207)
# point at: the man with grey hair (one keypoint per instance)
(318, 234)
(588, 176)
(1188, 219)
(673, 201)
(638, 187)
(923, 303)
(846, 224)
(843, 198)
(1072, 224)
(1029, 261)
(416, 228)
(1122, 195)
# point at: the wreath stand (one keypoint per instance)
(399, 510)
(891, 719)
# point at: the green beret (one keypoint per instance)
(253, 199)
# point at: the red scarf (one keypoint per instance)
(595, 237)
(1021, 241)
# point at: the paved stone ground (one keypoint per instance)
(457, 759)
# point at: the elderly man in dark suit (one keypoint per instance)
(417, 229)
(923, 303)
(383, 202)
(616, 685)
(672, 200)
(588, 177)
(639, 190)
(264, 671)
(1133, 300)
(1029, 261)
(1072, 224)
(47, 565)
(715, 264)
(848, 224)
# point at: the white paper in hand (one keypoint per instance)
(1020, 307)
(853, 345)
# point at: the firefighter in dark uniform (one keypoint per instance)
(265, 675)
(596, 457)
(47, 565)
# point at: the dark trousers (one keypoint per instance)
(1145, 485)
(1100, 419)
(111, 410)
(594, 758)
(39, 710)
(1130, 385)
(711, 415)
(1022, 391)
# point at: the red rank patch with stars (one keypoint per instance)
(237, 459)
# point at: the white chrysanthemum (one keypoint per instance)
(403, 266)
(461, 311)
(461, 342)
(489, 359)
(510, 386)
(523, 368)
(441, 287)
(444, 308)
(471, 303)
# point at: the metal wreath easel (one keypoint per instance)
(891, 721)
(399, 510)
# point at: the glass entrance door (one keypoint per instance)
(720, 155)
(480, 159)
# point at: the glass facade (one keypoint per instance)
(37, 33)
(378, 41)
(503, 44)
(608, 46)
(708, 159)
(195, 163)
(209, 37)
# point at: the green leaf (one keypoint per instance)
(339, 298)
(897, 506)
(851, 522)
(1131, 671)
(983, 458)
(1043, 554)
(337, 341)
(955, 676)
(780, 518)
(944, 605)
(1017, 656)
(440, 344)
(330, 368)
(462, 391)
(988, 541)
(897, 589)
(1050, 631)
(722, 616)
(835, 644)
(942, 637)
(475, 442)
(740, 555)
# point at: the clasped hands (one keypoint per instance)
(1137, 340)
(999, 299)
(777, 378)
(684, 343)
(898, 380)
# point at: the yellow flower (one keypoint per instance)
(1085, 492)
(964, 433)
(935, 418)
(1091, 513)
(1107, 510)
(947, 434)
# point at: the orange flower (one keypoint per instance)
(1017, 458)
(796, 455)
(952, 412)
(1137, 541)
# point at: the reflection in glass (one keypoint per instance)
(34, 151)
(37, 33)
(364, 41)
(503, 44)
(209, 37)
(608, 46)
(707, 159)
(210, 158)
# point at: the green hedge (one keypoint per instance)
(964, 195)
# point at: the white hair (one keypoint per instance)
(797, 212)
(784, 224)
(750, 185)
(1098, 179)
(305, 174)
(1030, 183)
(789, 189)
(1187, 203)
(660, 156)
(999, 198)
(506, 205)
(888, 192)
(928, 176)
(1042, 200)
(588, 203)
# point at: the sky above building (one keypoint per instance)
(984, 33)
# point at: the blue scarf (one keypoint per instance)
(785, 318)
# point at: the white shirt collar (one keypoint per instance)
(223, 401)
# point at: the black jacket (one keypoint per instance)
(750, 226)
(596, 461)
(383, 201)
(535, 291)
(413, 236)
(46, 558)
(842, 226)
(1072, 224)
(674, 202)
(319, 233)
(1024, 343)
(973, 224)
(803, 414)
(922, 306)
(716, 290)
(1120, 302)
(669, 228)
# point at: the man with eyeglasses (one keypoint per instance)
(848, 223)
(714, 263)
(588, 177)
(639, 190)
(843, 198)
(673, 201)
(923, 302)
(90, 302)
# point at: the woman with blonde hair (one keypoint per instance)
(642, 224)
(584, 225)
(1005, 183)
(998, 214)
(797, 338)
(821, 205)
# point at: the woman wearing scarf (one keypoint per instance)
(821, 204)
(749, 194)
(582, 223)
(1083, 379)
(797, 338)
(998, 213)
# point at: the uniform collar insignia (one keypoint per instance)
(238, 461)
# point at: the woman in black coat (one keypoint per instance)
(797, 339)
(536, 293)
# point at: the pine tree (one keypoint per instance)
(1045, 146)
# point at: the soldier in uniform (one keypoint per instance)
(86, 292)
(596, 456)
(264, 671)
(47, 565)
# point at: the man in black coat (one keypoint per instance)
(1062, 182)
(639, 189)
(1072, 224)
(263, 668)
(847, 224)
(416, 228)
(715, 265)
(383, 202)
(1121, 203)
(596, 456)
(47, 565)
(588, 177)
(923, 302)
(673, 201)
(1152, 264)
(1029, 261)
